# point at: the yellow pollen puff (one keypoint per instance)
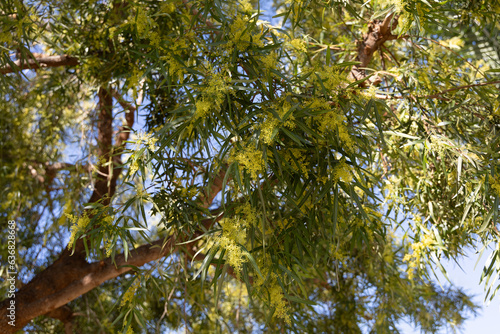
(298, 45)
(79, 224)
(342, 171)
(129, 294)
(495, 185)
(251, 160)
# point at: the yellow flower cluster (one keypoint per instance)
(167, 7)
(276, 295)
(249, 213)
(331, 121)
(146, 139)
(107, 224)
(336, 253)
(213, 95)
(267, 128)
(242, 37)
(176, 47)
(144, 23)
(342, 171)
(331, 79)
(298, 45)
(134, 167)
(414, 258)
(234, 234)
(297, 159)
(79, 224)
(133, 80)
(202, 108)
(495, 185)
(246, 6)
(279, 303)
(250, 159)
(218, 86)
(270, 124)
(269, 60)
(129, 294)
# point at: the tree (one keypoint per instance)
(185, 164)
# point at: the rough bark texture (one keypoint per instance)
(378, 32)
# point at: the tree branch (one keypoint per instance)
(378, 33)
(41, 62)
(91, 276)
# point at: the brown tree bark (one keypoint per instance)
(378, 32)
(39, 62)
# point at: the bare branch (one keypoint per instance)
(378, 33)
(42, 62)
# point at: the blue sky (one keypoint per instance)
(488, 318)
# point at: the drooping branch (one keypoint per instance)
(39, 62)
(438, 94)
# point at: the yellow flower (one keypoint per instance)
(342, 171)
(79, 226)
(298, 44)
(129, 294)
(495, 185)
(251, 160)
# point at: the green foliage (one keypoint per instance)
(335, 201)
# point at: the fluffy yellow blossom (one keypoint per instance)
(495, 185)
(245, 6)
(342, 171)
(144, 23)
(79, 225)
(269, 281)
(271, 122)
(242, 37)
(269, 60)
(233, 235)
(279, 303)
(134, 79)
(202, 108)
(298, 45)
(248, 213)
(134, 167)
(418, 248)
(167, 7)
(155, 39)
(267, 129)
(331, 79)
(217, 85)
(146, 139)
(251, 160)
(129, 294)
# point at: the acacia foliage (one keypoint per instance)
(306, 181)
